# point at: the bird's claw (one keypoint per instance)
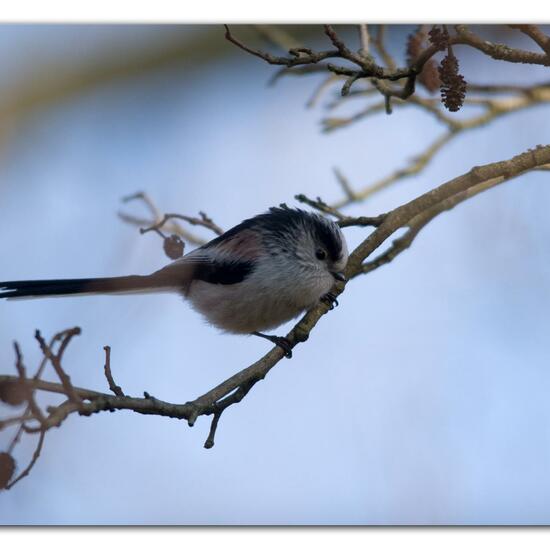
(280, 341)
(284, 344)
(330, 299)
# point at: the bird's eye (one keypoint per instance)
(320, 254)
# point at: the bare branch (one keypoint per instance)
(364, 65)
(320, 205)
(35, 457)
(364, 39)
(344, 184)
(379, 43)
(523, 98)
(317, 92)
(413, 215)
(173, 245)
(203, 221)
(497, 51)
(299, 57)
(415, 165)
(402, 215)
(28, 392)
(156, 217)
(367, 65)
(278, 37)
(56, 358)
(209, 443)
(117, 390)
(534, 32)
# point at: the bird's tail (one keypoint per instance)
(107, 285)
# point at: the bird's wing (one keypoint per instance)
(227, 260)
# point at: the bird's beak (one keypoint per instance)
(339, 276)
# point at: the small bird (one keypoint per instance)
(258, 275)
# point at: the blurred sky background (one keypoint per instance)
(422, 399)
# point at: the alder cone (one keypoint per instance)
(173, 247)
(7, 468)
(13, 393)
(453, 85)
(439, 37)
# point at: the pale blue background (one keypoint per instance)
(422, 399)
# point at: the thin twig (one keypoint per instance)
(209, 443)
(29, 394)
(415, 165)
(494, 108)
(19, 419)
(296, 59)
(318, 91)
(535, 33)
(278, 37)
(203, 221)
(364, 40)
(364, 66)
(344, 184)
(55, 360)
(156, 216)
(17, 436)
(320, 205)
(117, 390)
(378, 41)
(34, 458)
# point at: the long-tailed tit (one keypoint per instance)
(265, 271)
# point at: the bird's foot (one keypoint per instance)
(280, 341)
(330, 299)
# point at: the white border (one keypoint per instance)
(163, 11)
(290, 11)
(267, 538)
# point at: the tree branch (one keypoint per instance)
(156, 219)
(364, 65)
(414, 215)
(523, 98)
(435, 199)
